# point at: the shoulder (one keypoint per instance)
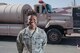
(41, 30)
(22, 31)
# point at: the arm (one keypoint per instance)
(19, 43)
(44, 39)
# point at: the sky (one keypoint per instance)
(53, 3)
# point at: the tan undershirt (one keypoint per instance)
(31, 31)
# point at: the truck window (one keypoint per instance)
(37, 10)
(76, 16)
(46, 8)
(43, 9)
(49, 9)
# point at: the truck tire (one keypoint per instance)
(54, 35)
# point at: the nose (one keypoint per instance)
(31, 20)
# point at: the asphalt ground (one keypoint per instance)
(67, 45)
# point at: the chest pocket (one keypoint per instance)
(26, 38)
(38, 41)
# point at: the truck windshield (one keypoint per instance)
(49, 9)
(46, 8)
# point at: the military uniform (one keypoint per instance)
(32, 41)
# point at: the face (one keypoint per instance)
(32, 21)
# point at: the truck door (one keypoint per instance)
(76, 19)
(42, 17)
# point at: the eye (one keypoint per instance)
(34, 19)
(30, 19)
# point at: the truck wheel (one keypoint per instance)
(54, 36)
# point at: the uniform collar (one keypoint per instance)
(37, 29)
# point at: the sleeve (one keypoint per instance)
(19, 43)
(44, 38)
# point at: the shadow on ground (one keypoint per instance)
(69, 41)
(8, 38)
(65, 41)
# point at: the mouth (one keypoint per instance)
(31, 22)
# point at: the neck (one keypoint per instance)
(32, 28)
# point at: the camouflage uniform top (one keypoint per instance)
(33, 43)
